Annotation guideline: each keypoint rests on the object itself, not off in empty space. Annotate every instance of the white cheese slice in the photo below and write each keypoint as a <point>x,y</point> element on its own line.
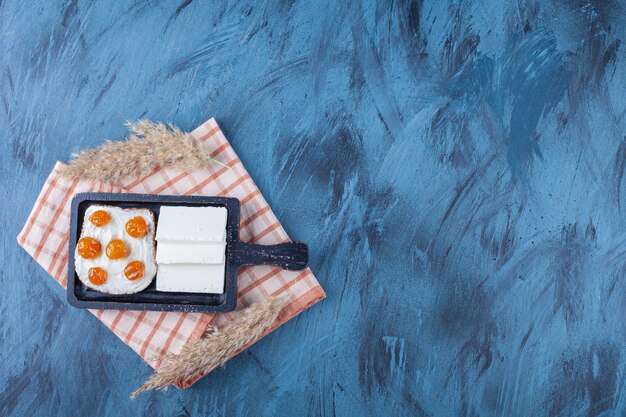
<point>177,252</point>
<point>192,224</point>
<point>191,278</point>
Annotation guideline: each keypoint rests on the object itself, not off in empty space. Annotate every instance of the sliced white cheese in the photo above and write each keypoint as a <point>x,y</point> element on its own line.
<point>192,224</point>
<point>177,252</point>
<point>191,278</point>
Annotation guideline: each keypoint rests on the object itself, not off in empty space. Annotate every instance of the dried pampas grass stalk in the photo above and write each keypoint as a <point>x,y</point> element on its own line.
<point>216,347</point>
<point>150,146</point>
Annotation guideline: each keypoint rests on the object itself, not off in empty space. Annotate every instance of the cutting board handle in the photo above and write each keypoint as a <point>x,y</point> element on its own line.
<point>292,256</point>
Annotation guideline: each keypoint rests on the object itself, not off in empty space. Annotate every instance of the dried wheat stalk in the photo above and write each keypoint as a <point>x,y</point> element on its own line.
<point>150,146</point>
<point>216,347</point>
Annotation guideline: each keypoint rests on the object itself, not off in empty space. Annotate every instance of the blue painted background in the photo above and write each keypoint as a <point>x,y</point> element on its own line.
<point>457,169</point>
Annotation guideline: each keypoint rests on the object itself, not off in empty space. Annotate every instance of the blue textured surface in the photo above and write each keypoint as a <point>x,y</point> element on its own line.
<point>457,169</point>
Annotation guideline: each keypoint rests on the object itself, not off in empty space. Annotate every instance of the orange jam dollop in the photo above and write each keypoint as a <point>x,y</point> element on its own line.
<point>89,248</point>
<point>116,249</point>
<point>97,275</point>
<point>134,270</point>
<point>137,227</point>
<point>99,218</point>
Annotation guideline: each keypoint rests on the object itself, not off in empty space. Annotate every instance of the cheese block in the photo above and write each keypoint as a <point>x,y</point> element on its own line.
<point>178,252</point>
<point>191,246</point>
<point>191,278</point>
<point>192,224</point>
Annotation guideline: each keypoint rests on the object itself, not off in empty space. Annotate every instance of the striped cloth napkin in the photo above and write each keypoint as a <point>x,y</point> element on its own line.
<point>153,334</point>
